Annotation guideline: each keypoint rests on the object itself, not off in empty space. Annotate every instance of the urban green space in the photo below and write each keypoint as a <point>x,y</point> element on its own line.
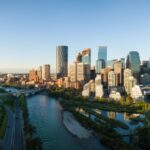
<point>85,110</point>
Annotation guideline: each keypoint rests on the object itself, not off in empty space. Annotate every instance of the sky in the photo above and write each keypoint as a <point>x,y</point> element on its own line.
<point>30,30</point>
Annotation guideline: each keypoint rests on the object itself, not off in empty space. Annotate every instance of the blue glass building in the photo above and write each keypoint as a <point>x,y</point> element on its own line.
<point>133,62</point>
<point>86,56</point>
<point>100,64</point>
<point>102,53</point>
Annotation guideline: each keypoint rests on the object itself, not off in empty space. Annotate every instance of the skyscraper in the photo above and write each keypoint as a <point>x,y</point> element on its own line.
<point>61,61</point>
<point>86,56</point>
<point>39,72</point>
<point>46,72</point>
<point>100,64</point>
<point>102,53</point>
<point>79,57</point>
<point>79,73</point>
<point>133,63</point>
<point>118,69</point>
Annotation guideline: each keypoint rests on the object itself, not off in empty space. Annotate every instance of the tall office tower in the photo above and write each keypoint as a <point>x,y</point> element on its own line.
<point>83,72</point>
<point>73,72</point>
<point>102,53</point>
<point>118,69</point>
<point>61,61</point>
<point>79,72</point>
<point>100,64</point>
<point>104,75</point>
<point>111,79</point>
<point>129,80</point>
<point>39,72</point>
<point>46,72</point>
<point>79,57</point>
<point>133,62</point>
<point>123,62</point>
<point>86,56</point>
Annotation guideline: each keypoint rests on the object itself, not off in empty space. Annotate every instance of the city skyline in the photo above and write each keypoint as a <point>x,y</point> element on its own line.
<point>29,37</point>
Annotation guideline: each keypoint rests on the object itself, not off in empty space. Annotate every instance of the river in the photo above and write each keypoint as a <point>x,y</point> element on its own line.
<point>45,114</point>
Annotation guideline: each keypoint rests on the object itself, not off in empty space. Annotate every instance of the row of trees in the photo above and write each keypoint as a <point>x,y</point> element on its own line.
<point>3,122</point>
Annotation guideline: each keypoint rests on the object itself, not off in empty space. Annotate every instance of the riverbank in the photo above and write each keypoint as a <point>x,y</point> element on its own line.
<point>88,138</point>
<point>74,126</point>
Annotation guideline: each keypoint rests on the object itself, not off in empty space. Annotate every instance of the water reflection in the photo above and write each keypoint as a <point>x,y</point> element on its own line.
<point>45,114</point>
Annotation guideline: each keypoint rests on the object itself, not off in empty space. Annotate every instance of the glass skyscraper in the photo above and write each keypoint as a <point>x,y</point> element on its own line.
<point>61,61</point>
<point>86,56</point>
<point>102,53</point>
<point>100,64</point>
<point>133,63</point>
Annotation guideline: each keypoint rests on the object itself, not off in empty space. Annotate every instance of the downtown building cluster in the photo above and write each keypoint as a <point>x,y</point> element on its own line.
<point>108,78</point>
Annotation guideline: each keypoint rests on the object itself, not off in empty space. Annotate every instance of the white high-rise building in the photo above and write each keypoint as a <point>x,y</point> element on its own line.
<point>86,90</point>
<point>136,93</point>
<point>129,80</point>
<point>98,87</point>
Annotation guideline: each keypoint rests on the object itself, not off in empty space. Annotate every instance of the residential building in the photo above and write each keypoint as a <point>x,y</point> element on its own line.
<point>129,80</point>
<point>33,75</point>
<point>98,87</point>
<point>136,93</point>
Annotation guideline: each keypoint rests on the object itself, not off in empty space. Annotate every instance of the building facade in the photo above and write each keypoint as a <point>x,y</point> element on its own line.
<point>61,61</point>
<point>118,70</point>
<point>46,72</point>
<point>86,56</point>
<point>102,53</point>
<point>100,64</point>
<point>133,63</point>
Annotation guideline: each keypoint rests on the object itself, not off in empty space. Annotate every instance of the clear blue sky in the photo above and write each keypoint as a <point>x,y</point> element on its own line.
<point>30,30</point>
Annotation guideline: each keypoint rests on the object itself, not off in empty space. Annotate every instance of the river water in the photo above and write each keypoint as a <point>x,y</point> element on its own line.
<point>45,114</point>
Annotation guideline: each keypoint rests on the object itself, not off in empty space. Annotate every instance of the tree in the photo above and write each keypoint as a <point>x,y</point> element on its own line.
<point>144,138</point>
<point>129,100</point>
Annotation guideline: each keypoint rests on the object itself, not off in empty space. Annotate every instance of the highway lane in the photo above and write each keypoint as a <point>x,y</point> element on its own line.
<point>7,141</point>
<point>18,131</point>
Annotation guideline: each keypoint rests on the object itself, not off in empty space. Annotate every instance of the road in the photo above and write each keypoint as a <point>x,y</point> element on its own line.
<point>13,139</point>
<point>7,141</point>
<point>18,130</point>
